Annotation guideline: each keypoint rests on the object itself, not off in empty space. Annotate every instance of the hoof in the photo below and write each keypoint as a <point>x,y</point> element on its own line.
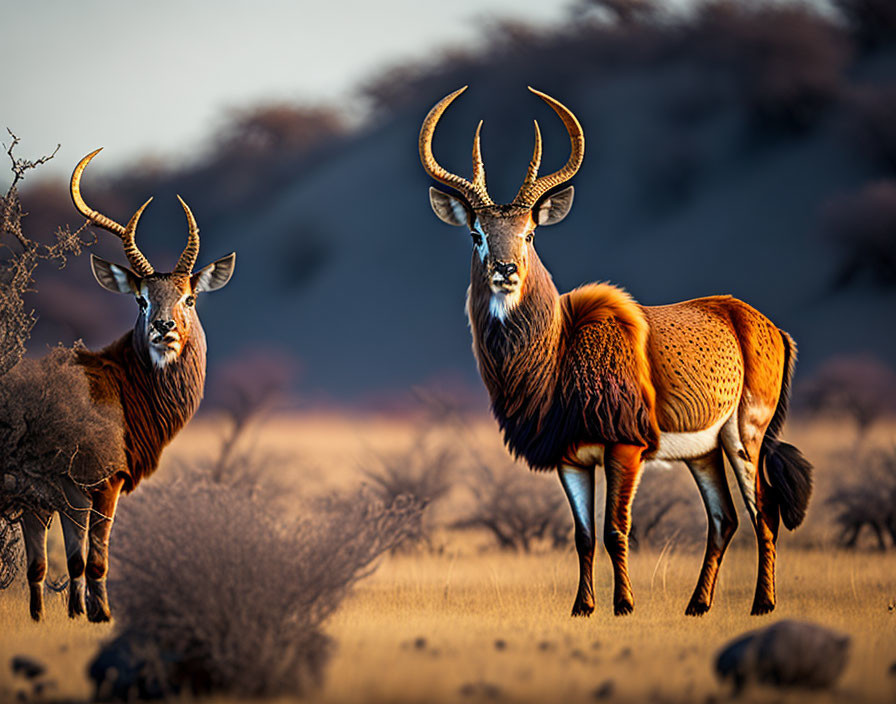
<point>696,608</point>
<point>98,612</point>
<point>623,608</point>
<point>99,615</point>
<point>582,608</point>
<point>75,607</point>
<point>36,602</point>
<point>761,607</point>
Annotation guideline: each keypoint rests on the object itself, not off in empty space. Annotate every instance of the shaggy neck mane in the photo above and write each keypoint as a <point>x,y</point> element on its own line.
<point>156,402</point>
<point>518,357</point>
<point>563,371</point>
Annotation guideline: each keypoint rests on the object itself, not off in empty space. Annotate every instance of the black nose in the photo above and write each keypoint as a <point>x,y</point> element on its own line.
<point>163,326</point>
<point>505,268</point>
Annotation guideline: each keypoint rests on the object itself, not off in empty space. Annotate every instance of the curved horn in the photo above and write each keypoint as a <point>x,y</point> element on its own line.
<point>535,162</point>
<point>533,188</point>
<point>478,164</point>
<point>474,192</point>
<point>191,252</point>
<point>140,263</point>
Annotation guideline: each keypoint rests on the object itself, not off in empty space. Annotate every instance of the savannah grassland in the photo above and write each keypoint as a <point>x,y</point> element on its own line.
<point>466,622</point>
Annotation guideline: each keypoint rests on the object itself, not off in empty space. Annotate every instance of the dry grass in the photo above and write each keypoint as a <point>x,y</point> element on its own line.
<point>474,624</point>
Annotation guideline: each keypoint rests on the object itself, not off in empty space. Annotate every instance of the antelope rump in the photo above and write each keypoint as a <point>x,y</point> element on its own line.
<point>154,374</point>
<point>591,378</point>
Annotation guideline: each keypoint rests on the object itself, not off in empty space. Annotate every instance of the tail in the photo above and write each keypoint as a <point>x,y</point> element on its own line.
<point>787,475</point>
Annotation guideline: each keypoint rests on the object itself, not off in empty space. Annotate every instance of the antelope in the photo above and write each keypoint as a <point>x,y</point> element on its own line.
<point>590,378</point>
<point>154,374</point>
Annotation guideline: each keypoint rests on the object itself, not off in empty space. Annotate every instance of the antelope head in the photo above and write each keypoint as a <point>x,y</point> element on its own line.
<point>503,235</point>
<point>166,301</point>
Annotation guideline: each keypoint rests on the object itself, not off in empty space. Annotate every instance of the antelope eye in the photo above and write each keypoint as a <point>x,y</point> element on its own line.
<point>530,236</point>
<point>190,301</point>
<point>477,238</point>
<point>141,301</point>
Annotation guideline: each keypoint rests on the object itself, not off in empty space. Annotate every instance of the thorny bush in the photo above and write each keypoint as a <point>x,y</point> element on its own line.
<point>223,595</point>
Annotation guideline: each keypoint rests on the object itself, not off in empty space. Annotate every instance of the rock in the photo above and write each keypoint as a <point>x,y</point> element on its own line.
<point>787,654</point>
<point>605,691</point>
<point>480,690</point>
<point>27,667</point>
<point>131,667</point>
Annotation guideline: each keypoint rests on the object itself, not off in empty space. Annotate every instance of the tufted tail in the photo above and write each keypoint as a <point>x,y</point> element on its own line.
<point>787,475</point>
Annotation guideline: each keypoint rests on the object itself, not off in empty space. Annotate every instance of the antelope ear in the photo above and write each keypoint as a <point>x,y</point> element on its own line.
<point>449,208</point>
<point>114,278</point>
<point>554,208</point>
<point>215,275</point>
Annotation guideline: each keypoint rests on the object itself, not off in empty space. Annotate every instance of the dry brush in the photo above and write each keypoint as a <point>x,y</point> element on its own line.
<point>215,593</point>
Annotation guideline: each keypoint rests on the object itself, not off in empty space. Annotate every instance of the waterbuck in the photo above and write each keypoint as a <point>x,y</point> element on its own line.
<point>154,374</point>
<point>591,378</point>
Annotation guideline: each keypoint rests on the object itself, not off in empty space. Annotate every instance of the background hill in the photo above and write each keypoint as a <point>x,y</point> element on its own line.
<point>738,150</point>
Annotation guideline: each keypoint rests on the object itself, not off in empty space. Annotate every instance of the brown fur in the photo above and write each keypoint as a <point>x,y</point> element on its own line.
<point>156,403</point>
<point>695,362</point>
<point>153,378</point>
<point>564,371</point>
<point>592,367</point>
<point>591,372</point>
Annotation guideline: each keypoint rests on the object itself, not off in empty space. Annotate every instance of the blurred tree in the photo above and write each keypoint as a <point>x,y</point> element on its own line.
<point>861,388</point>
<point>244,390</point>
<point>873,22</point>
<point>623,12</point>
<point>871,109</point>
<point>863,226</point>
<point>280,127</point>
<point>868,501</point>
<point>786,60</point>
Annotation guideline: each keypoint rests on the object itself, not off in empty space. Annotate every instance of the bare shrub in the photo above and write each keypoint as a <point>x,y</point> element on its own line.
<point>49,428</point>
<point>868,501</point>
<point>863,226</point>
<point>226,597</point>
<point>19,256</point>
<point>422,471</point>
<point>244,391</point>
<point>517,507</point>
<point>49,425</point>
<point>11,553</point>
<point>860,388</point>
<point>665,509</point>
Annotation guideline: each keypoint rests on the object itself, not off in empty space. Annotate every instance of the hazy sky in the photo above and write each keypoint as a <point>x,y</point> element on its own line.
<point>155,78</point>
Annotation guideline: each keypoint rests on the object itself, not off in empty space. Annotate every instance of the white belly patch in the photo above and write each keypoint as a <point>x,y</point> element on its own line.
<point>683,446</point>
<point>592,455</point>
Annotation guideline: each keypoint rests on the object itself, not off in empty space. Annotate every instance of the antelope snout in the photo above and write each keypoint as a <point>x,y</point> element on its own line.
<point>163,326</point>
<point>506,269</point>
<point>505,277</point>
